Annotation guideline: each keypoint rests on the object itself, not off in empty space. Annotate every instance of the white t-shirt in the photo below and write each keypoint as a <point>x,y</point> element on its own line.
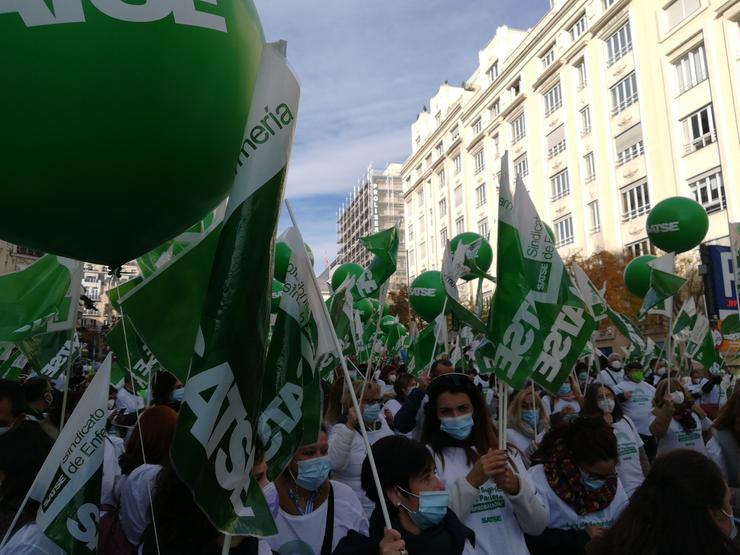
<point>639,407</point>
<point>628,446</point>
<point>562,516</point>
<point>304,534</point>
<point>133,500</point>
<point>519,440</point>
<point>561,404</point>
<point>129,402</point>
<point>114,447</point>
<point>31,540</point>
<point>491,518</point>
<point>609,377</point>
<point>677,438</point>
<point>392,405</point>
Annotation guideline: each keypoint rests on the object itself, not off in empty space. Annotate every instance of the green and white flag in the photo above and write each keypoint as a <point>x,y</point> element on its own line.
<point>663,285</point>
<point>700,345</point>
<point>68,485</point>
<point>291,398</point>
<point>49,353</point>
<point>454,267</point>
<point>538,324</point>
<point>131,352</point>
<point>344,320</point>
<point>40,299</point>
<point>593,298</point>
<point>627,328</point>
<point>13,365</point>
<point>214,445</point>
<point>384,245</point>
<point>427,345</point>
<point>686,317</point>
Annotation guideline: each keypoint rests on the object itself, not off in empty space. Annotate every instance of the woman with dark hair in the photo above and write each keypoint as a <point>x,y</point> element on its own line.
<point>682,508</point>
<point>422,523</point>
<point>677,421</point>
<point>600,401</point>
<point>490,490</point>
<point>727,436</point>
<point>576,473</point>
<point>387,379</point>
<point>167,390</point>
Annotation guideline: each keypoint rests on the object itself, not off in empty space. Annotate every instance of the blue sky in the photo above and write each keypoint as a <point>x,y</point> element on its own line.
<point>366,68</point>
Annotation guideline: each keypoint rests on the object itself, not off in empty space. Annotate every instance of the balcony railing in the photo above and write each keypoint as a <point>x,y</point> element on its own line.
<point>700,142</point>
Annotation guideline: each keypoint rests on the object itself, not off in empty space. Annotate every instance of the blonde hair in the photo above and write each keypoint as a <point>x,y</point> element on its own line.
<point>357,386</point>
<point>515,408</point>
<point>662,389</point>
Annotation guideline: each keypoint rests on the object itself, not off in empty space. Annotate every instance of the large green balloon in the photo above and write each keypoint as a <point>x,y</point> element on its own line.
<point>637,275</point>
<point>387,323</point>
<point>277,292</point>
<point>342,271</point>
<point>282,259</point>
<point>368,308</point>
<point>128,113</point>
<point>677,224</point>
<point>485,253</point>
<point>427,295</point>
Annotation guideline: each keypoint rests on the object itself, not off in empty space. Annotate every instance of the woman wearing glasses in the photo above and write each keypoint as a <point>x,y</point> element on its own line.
<point>346,446</point>
<point>490,490</point>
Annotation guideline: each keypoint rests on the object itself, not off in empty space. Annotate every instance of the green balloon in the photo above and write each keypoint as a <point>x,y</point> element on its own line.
<point>365,307</point>
<point>387,323</point>
<point>637,275</point>
<point>282,259</point>
<point>133,112</point>
<point>427,295</point>
<point>342,271</point>
<point>677,224</point>
<point>277,292</point>
<point>485,253</point>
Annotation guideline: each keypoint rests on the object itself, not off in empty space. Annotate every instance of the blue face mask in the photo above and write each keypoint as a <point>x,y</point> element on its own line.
<point>733,525</point>
<point>564,389</point>
<point>590,482</point>
<point>178,394</point>
<point>458,427</point>
<point>371,412</point>
<point>313,472</point>
<point>531,417</point>
<point>432,507</point>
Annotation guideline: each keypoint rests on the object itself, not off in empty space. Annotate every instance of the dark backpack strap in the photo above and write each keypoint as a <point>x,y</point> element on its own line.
<point>329,529</point>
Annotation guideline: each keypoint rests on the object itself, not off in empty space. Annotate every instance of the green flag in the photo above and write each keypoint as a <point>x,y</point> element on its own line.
<point>593,298</point>
<point>13,365</point>
<point>68,485</point>
<point>686,317</point>
<point>49,353</point>
<point>214,445</point>
<point>627,328</point>
<point>454,267</point>
<point>39,299</point>
<point>538,324</point>
<point>423,350</point>
<point>663,285</point>
<point>291,398</point>
<point>700,345</point>
<point>384,245</point>
<point>132,353</point>
<point>344,319</point>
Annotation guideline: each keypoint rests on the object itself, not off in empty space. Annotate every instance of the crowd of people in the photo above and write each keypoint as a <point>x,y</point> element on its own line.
<point>624,460</point>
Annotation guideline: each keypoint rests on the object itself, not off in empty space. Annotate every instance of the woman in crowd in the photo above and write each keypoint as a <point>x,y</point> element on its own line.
<point>346,445</point>
<point>527,422</point>
<point>633,464</point>
<point>491,492</point>
<point>387,379</point>
<point>422,523</point>
<point>404,384</point>
<point>677,421</point>
<point>636,398</point>
<point>315,512</point>
<point>682,508</point>
<point>576,473</point>
<point>147,450</point>
<point>567,401</point>
<point>167,390</point>
<point>727,435</point>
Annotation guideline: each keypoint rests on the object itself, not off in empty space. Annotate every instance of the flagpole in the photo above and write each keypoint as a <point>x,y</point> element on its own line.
<point>227,545</point>
<point>350,390</point>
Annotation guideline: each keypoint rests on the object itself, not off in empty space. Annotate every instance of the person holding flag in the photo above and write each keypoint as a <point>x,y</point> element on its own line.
<point>613,374</point>
<point>636,398</point>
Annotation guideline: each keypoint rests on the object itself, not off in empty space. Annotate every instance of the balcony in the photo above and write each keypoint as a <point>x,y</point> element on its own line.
<point>700,142</point>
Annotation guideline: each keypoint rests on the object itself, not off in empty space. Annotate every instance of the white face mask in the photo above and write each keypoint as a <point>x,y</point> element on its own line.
<point>616,364</point>
<point>392,378</point>
<point>677,397</point>
<point>661,371</point>
<point>605,405</point>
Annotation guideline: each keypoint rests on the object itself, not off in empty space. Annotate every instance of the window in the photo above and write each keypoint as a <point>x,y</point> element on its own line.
<point>477,126</point>
<point>564,231</point>
<point>628,145</point>
<point>412,259</point>
<point>455,133</point>
<point>492,72</point>
<point>578,28</point>
<point>417,140</point>
<point>443,238</point>
<point>560,185</point>
<point>438,118</point>
<point>483,228</point>
<point>418,171</point>
<point>585,121</point>
<point>521,167</point>
<point>698,129</point>
<point>556,142</point>
<point>515,88</point>
<point>495,146</point>
<point>635,201</point>
<point>582,77</point>
<point>548,57</point>
<point>420,198</point>
<point>480,195</point>
<point>458,195</point>
<point>709,191</point>
<point>553,99</point>
<point>441,179</point>
<point>479,161</point>
<point>618,44</point>
<point>460,225</point>
<point>593,211</point>
<point>410,234</point>
<point>589,167</point>
<point>438,149</point>
<point>608,3</point>
<point>630,153</point>
<point>518,130</point>
<point>443,208</point>
<point>691,69</point>
<point>457,162</point>
<point>494,109</point>
<point>420,225</point>
<point>639,248</point>
<point>677,11</point>
<point>423,251</point>
<point>624,93</point>
<point>427,161</point>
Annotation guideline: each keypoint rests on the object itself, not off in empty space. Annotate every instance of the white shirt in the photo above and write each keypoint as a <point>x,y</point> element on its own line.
<point>393,406</point>
<point>304,534</point>
<point>128,401</point>
<point>562,516</point>
<point>133,500</point>
<point>677,438</point>
<point>609,377</point>
<point>492,518</point>
<point>628,446</point>
<point>520,441</point>
<point>560,404</point>
<point>113,449</point>
<point>31,540</point>
<point>639,407</point>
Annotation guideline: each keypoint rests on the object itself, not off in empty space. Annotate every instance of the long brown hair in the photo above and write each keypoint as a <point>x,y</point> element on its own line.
<point>155,430</point>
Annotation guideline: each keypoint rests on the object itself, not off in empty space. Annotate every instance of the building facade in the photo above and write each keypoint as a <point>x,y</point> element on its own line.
<point>374,205</point>
<point>606,107</point>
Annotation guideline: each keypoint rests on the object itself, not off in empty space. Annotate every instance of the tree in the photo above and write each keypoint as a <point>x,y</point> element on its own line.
<point>399,304</point>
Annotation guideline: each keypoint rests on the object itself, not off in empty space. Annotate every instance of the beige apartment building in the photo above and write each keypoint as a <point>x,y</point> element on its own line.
<point>606,107</point>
